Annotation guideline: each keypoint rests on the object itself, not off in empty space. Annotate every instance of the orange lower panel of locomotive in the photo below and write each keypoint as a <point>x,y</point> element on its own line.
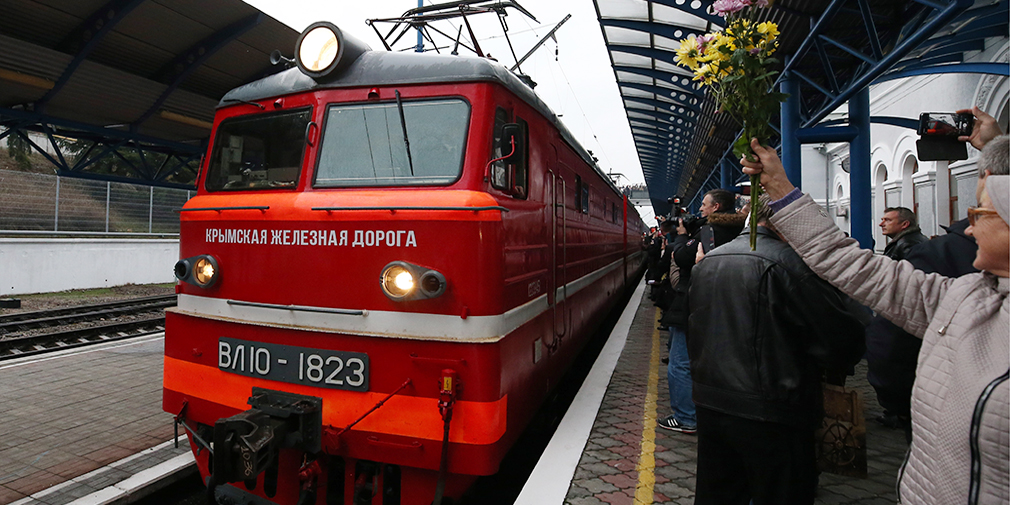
<point>282,451</point>
<point>293,447</point>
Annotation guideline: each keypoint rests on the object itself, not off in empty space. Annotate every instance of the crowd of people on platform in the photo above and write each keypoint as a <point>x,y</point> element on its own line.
<point>755,333</point>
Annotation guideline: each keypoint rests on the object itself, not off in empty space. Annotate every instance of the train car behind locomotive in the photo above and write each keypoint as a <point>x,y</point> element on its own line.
<point>390,262</point>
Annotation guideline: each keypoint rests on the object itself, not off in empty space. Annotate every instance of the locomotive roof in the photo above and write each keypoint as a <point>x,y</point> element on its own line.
<point>384,68</point>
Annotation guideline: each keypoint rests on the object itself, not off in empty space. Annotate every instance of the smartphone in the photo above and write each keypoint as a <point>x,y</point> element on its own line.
<point>945,124</point>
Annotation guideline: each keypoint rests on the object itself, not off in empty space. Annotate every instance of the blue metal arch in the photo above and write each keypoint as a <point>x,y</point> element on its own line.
<point>961,68</point>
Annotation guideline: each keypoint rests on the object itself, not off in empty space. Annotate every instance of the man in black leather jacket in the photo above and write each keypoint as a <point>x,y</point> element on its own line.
<point>900,225</point>
<point>763,329</point>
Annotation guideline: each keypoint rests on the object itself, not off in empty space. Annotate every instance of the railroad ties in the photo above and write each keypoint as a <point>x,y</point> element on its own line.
<point>19,335</point>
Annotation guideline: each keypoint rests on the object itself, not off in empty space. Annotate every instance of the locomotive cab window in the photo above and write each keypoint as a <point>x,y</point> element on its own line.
<point>364,144</point>
<point>261,151</point>
<point>510,175</point>
<point>499,175</point>
<point>520,169</point>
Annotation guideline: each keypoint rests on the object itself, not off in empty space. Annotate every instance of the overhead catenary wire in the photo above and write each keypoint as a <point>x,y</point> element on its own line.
<point>571,89</point>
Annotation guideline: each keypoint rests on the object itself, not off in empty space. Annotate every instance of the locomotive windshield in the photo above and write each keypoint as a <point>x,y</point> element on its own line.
<point>261,151</point>
<point>363,144</point>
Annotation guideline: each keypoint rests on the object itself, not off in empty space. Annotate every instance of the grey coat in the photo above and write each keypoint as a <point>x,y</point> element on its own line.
<point>961,396</point>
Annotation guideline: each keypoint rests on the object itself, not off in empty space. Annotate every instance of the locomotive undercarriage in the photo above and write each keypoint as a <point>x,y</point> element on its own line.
<point>254,454</point>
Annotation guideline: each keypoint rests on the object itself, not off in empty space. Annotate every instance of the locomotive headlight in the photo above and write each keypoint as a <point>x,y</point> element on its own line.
<point>323,51</point>
<point>397,280</point>
<point>404,281</point>
<point>201,271</point>
<point>205,271</point>
<point>318,49</point>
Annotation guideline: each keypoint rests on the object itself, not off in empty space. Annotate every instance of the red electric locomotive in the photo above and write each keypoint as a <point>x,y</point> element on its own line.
<point>390,262</point>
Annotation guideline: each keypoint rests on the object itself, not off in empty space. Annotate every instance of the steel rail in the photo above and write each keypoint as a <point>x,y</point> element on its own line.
<point>38,344</point>
<point>167,300</point>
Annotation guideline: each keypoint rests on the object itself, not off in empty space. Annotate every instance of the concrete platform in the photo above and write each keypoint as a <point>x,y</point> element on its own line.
<point>624,458</point>
<point>86,425</point>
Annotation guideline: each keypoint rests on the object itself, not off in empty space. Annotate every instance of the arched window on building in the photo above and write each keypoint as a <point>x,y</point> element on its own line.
<point>908,169</point>
<point>879,204</point>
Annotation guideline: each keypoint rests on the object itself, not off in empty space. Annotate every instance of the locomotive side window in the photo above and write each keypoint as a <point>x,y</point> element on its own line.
<point>581,195</point>
<point>363,144</point>
<point>262,151</point>
<point>520,170</point>
<point>499,176</point>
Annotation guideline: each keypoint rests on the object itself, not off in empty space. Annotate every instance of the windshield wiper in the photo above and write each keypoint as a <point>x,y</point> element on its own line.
<point>247,102</point>
<point>403,125</point>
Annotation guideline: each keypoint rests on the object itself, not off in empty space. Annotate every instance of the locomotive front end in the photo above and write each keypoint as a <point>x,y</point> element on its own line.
<point>333,295</point>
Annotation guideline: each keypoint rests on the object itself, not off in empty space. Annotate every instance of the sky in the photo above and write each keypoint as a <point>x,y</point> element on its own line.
<point>577,81</point>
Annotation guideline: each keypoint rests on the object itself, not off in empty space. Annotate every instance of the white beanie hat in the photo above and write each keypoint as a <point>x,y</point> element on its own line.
<point>998,189</point>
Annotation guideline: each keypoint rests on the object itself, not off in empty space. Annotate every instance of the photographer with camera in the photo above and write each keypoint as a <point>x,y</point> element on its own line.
<point>719,223</point>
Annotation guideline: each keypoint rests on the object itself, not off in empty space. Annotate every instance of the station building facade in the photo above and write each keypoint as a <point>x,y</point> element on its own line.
<point>939,192</point>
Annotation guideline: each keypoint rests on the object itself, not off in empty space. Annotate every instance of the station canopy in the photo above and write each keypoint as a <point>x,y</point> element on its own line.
<point>833,48</point>
<point>128,77</point>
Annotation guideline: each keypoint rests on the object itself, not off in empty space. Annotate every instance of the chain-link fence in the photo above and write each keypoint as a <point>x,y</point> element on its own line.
<point>40,203</point>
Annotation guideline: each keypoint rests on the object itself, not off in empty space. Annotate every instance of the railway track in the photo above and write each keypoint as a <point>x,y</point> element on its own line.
<point>79,326</point>
<point>24,321</point>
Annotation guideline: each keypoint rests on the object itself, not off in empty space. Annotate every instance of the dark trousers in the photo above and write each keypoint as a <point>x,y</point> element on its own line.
<point>740,460</point>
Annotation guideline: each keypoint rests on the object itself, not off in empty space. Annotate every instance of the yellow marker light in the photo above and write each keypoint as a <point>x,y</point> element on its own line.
<point>318,49</point>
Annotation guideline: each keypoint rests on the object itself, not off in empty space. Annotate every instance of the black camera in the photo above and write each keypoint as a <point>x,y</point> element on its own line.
<point>938,133</point>
<point>676,202</point>
<point>691,222</point>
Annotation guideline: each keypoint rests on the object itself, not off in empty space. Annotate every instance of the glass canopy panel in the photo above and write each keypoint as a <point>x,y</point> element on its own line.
<point>673,68</point>
<point>675,16</point>
<point>626,91</point>
<point>627,9</point>
<point>639,115</point>
<point>665,43</point>
<point>630,77</point>
<point>630,59</point>
<point>616,35</point>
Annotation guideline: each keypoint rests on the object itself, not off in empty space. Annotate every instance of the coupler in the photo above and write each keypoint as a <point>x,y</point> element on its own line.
<point>248,443</point>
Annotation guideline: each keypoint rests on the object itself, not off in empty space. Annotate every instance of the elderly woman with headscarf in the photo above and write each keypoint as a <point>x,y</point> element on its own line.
<point>960,450</point>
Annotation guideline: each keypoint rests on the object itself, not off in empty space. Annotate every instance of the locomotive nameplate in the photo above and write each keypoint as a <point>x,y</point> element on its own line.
<point>297,365</point>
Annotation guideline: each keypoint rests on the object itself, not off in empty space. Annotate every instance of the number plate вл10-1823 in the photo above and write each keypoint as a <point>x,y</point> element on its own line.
<point>297,365</point>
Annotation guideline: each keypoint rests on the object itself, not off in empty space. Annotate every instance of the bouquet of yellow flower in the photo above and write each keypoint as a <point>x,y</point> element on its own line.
<point>736,65</point>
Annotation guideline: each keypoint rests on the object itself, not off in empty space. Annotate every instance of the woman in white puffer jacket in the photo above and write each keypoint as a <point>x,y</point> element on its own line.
<point>960,450</point>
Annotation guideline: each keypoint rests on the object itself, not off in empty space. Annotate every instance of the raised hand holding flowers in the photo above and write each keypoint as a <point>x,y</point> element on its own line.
<point>736,66</point>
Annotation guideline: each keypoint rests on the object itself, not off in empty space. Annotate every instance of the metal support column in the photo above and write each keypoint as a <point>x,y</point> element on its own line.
<point>419,48</point>
<point>726,174</point>
<point>790,110</point>
<point>108,194</point>
<point>859,170</point>
<point>56,216</point>
<point>150,211</point>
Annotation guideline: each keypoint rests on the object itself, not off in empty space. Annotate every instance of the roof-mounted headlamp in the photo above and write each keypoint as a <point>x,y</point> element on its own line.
<point>324,51</point>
